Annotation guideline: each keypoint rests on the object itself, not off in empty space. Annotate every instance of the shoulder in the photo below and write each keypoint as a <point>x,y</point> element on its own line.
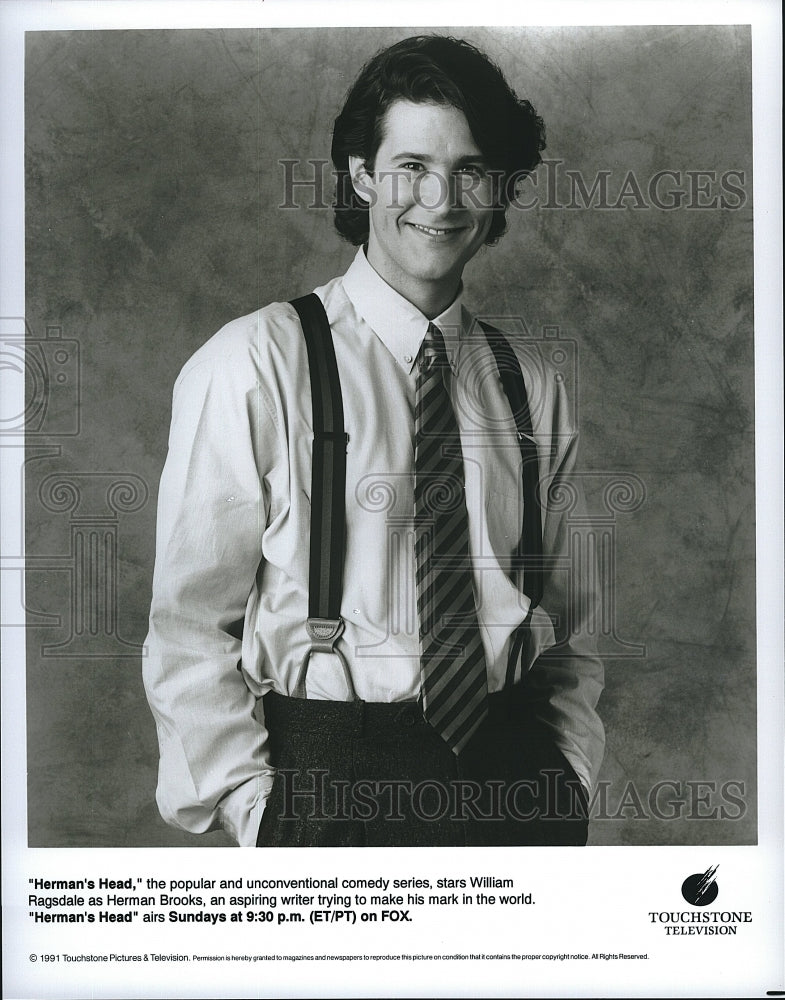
<point>262,347</point>
<point>242,345</point>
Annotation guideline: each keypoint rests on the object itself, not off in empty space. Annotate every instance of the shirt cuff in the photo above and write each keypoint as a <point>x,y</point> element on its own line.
<point>242,809</point>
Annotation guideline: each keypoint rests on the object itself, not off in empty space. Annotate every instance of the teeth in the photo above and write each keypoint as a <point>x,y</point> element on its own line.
<point>430,231</point>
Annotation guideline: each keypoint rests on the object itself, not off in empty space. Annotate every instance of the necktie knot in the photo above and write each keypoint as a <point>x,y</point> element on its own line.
<point>433,352</point>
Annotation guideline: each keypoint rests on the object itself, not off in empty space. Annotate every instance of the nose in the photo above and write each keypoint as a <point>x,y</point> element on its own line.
<point>435,193</point>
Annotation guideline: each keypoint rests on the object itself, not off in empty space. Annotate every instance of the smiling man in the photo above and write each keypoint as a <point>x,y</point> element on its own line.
<point>366,627</point>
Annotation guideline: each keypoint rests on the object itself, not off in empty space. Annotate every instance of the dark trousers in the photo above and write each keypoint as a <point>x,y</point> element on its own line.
<point>361,774</point>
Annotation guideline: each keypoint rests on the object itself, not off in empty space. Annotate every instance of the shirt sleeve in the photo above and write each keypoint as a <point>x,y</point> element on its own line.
<point>566,677</point>
<point>214,769</point>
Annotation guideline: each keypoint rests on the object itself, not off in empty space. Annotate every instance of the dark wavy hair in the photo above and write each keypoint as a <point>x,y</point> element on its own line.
<point>442,70</point>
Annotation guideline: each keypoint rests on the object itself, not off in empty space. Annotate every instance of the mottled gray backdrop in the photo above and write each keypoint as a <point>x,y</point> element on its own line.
<point>153,194</point>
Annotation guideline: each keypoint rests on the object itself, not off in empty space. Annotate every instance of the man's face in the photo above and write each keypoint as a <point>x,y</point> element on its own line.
<point>430,201</point>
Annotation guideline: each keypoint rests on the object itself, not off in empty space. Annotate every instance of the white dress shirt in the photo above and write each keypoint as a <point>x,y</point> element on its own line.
<point>230,589</point>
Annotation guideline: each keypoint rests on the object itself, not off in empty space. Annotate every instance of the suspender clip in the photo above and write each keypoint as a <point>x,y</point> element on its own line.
<point>324,633</point>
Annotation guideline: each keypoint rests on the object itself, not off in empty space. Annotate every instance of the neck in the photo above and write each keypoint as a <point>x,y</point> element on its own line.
<point>430,297</point>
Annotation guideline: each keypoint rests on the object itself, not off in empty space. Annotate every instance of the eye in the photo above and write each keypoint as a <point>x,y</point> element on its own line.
<point>412,166</point>
<point>473,170</point>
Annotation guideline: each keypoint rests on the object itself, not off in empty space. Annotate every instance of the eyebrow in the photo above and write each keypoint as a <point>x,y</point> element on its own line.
<point>425,158</point>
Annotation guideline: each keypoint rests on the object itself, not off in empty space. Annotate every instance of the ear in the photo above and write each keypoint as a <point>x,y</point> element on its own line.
<point>362,181</point>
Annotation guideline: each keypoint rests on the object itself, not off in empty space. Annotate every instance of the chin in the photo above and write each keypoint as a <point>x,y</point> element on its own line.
<point>435,272</point>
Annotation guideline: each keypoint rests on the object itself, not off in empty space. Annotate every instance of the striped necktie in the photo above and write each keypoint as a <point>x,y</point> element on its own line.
<point>454,678</point>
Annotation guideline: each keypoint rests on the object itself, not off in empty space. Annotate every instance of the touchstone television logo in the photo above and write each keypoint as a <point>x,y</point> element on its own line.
<point>701,889</point>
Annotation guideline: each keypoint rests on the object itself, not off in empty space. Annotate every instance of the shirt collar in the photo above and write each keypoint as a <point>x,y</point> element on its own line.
<point>398,323</point>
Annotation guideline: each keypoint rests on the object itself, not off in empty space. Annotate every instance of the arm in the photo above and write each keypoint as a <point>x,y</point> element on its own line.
<point>213,769</point>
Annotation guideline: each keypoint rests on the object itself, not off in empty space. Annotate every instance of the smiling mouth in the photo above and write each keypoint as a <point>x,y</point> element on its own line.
<point>432,231</point>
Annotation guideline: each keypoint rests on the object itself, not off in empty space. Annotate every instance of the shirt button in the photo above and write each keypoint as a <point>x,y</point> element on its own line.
<point>407,358</point>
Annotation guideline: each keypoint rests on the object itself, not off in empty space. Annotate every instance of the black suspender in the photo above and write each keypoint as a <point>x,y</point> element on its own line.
<point>328,486</point>
<point>528,553</point>
<point>328,482</point>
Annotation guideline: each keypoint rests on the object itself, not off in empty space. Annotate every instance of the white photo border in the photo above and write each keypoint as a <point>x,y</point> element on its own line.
<point>753,874</point>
